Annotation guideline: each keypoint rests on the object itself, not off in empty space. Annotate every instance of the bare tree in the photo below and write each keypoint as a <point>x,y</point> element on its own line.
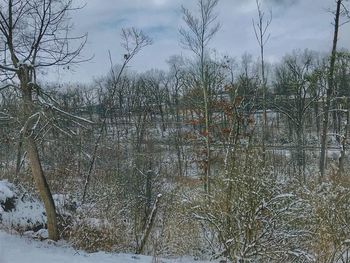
<point>200,30</point>
<point>295,78</point>
<point>35,35</point>
<point>176,76</point>
<point>133,40</point>
<point>260,30</point>
<point>339,11</point>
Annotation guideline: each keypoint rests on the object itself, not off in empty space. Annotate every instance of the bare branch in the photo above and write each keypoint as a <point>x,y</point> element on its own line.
<point>200,30</point>
<point>8,86</point>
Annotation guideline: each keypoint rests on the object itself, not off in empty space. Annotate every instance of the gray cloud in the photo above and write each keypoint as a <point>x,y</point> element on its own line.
<point>283,2</point>
<point>296,24</point>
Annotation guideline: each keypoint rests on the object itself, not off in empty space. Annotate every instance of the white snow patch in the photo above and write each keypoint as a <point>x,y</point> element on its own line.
<point>28,212</point>
<point>6,190</point>
<point>15,249</point>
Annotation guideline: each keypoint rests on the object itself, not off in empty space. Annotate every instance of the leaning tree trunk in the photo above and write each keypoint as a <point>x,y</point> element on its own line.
<point>43,188</point>
<point>33,153</point>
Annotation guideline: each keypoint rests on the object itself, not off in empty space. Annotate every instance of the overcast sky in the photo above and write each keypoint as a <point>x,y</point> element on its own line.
<point>296,24</point>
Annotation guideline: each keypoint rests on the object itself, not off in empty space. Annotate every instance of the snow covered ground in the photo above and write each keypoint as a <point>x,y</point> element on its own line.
<point>16,249</point>
<point>22,212</point>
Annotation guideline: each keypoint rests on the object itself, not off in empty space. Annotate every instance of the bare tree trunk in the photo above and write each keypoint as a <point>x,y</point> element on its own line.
<point>148,226</point>
<point>343,141</point>
<point>207,143</point>
<point>336,122</point>
<point>25,76</point>
<point>300,153</point>
<point>317,118</point>
<point>19,154</point>
<point>148,186</point>
<point>161,111</point>
<point>179,152</point>
<point>330,90</point>
<point>260,31</point>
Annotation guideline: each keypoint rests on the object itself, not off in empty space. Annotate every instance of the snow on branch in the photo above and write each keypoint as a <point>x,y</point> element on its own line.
<point>67,114</point>
<point>36,117</point>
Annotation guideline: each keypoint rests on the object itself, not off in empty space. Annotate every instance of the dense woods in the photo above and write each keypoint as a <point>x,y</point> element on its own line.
<point>217,157</point>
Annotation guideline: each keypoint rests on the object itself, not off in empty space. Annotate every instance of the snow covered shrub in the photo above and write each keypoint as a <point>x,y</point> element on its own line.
<point>331,206</point>
<point>90,229</point>
<point>249,217</point>
<point>175,232</point>
<point>94,235</point>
